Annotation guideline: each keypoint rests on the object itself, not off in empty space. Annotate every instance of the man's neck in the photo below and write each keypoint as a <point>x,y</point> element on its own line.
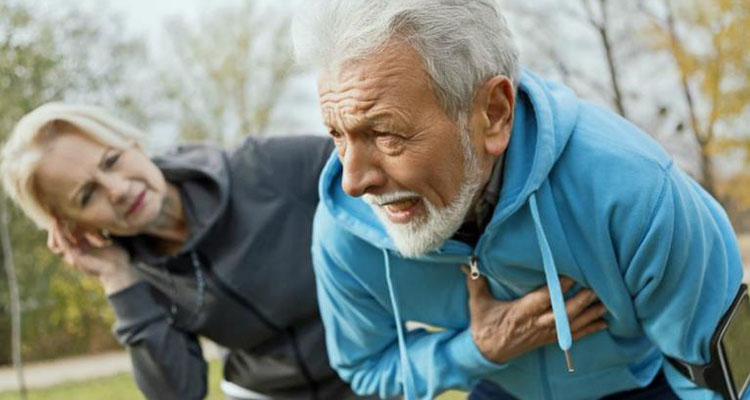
<point>480,213</point>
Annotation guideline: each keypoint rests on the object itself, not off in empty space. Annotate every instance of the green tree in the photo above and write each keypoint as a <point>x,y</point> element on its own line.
<point>71,56</point>
<point>229,71</point>
<point>708,41</point>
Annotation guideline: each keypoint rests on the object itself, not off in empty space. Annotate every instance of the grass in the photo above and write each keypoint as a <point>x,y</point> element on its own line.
<point>122,387</point>
<point>118,387</point>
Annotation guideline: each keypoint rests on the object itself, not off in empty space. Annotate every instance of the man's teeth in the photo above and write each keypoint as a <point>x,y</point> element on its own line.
<point>401,205</point>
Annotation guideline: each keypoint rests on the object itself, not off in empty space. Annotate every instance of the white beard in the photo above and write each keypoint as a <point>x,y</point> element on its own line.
<point>420,235</point>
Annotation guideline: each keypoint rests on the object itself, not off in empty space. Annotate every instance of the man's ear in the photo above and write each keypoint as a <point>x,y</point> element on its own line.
<point>497,104</point>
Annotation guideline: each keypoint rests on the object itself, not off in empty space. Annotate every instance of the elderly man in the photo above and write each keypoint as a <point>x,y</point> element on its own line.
<point>448,155</point>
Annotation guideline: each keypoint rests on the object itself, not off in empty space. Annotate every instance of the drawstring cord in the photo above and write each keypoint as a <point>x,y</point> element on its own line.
<point>406,372</point>
<point>564,338</point>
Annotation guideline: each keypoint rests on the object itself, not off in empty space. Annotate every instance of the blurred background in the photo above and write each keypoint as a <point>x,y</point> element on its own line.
<point>189,70</point>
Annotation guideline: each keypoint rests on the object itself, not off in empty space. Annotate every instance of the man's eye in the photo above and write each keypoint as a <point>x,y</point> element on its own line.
<point>388,139</point>
<point>111,160</point>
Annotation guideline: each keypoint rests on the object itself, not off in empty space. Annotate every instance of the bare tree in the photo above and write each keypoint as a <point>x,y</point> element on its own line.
<point>229,72</point>
<point>15,298</point>
<point>601,24</point>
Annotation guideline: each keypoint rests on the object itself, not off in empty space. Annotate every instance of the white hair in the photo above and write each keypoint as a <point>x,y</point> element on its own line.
<point>461,42</point>
<point>26,145</point>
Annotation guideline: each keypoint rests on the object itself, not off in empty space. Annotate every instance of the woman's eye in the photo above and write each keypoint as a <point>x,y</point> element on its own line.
<point>88,192</point>
<point>111,160</point>
<point>334,134</point>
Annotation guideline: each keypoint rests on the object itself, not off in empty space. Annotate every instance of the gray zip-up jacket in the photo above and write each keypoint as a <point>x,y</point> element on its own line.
<point>243,279</point>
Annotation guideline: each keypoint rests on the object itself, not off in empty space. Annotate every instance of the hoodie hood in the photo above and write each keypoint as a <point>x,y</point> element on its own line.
<point>201,173</point>
<point>544,118</point>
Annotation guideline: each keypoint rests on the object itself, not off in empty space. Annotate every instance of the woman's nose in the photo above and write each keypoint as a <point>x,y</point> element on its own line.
<point>117,187</point>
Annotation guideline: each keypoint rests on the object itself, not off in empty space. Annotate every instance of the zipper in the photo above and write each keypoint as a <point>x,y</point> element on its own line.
<point>474,267</point>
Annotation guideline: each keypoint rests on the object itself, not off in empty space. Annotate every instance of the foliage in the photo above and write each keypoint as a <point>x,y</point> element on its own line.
<point>735,195</point>
<point>73,56</point>
<point>119,387</point>
<point>122,387</point>
<point>708,42</point>
<point>677,69</point>
<point>229,71</point>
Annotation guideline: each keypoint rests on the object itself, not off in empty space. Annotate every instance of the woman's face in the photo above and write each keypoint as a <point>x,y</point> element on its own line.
<point>99,187</point>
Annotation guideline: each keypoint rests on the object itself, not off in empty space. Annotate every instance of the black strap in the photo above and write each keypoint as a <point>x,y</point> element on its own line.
<point>695,372</point>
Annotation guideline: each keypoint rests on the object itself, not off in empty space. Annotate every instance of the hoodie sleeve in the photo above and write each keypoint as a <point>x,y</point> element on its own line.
<point>683,270</point>
<point>362,343</point>
<point>167,363</point>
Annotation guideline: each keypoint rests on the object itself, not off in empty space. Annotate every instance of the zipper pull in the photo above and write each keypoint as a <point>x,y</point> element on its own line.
<point>474,267</point>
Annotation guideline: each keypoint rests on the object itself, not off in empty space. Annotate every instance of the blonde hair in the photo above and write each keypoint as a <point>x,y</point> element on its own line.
<point>25,148</point>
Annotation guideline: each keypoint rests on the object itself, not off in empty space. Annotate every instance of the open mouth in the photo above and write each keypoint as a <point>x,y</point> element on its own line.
<point>137,203</point>
<point>403,210</point>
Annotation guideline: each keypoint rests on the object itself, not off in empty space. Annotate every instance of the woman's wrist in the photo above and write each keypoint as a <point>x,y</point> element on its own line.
<point>118,279</point>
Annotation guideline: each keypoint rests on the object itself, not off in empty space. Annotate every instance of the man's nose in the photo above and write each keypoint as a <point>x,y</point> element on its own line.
<point>362,173</point>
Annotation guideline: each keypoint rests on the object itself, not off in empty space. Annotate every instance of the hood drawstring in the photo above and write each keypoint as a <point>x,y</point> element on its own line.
<point>562,325</point>
<point>406,372</point>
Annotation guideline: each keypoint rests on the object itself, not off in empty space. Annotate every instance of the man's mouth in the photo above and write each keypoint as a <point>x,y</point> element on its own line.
<point>401,211</point>
<point>137,203</point>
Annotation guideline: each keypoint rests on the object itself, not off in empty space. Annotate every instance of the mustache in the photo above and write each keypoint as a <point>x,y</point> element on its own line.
<point>385,198</point>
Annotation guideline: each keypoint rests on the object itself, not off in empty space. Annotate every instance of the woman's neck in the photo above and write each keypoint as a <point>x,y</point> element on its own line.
<point>170,228</point>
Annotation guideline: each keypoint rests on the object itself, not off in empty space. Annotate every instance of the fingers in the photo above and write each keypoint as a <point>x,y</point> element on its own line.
<point>538,301</point>
<point>566,283</point>
<point>579,303</point>
<point>591,314</point>
<point>96,239</point>
<point>52,241</point>
<point>574,307</point>
<point>596,326</point>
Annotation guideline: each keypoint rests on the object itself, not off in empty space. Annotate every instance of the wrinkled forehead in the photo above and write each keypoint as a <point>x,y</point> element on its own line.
<point>392,80</point>
<point>68,160</point>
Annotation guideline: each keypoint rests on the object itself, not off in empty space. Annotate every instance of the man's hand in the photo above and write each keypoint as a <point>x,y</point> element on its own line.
<point>503,330</point>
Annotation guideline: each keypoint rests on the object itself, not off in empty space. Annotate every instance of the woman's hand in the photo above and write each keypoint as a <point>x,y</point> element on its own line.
<point>503,330</point>
<point>93,255</point>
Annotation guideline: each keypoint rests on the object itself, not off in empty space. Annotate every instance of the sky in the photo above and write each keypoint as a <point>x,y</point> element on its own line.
<point>148,17</point>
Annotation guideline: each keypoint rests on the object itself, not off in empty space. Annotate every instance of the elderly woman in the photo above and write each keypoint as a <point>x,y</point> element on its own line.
<point>197,242</point>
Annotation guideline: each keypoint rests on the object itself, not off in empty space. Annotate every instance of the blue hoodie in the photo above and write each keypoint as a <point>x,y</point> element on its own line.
<point>585,195</point>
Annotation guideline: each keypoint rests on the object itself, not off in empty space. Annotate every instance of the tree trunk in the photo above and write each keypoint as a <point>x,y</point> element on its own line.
<point>15,299</point>
<point>707,171</point>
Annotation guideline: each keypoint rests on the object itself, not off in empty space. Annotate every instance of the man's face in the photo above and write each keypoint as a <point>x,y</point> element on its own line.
<point>399,149</point>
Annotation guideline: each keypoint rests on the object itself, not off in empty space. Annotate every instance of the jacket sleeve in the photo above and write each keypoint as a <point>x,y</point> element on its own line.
<point>683,270</point>
<point>167,363</point>
<point>362,343</point>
